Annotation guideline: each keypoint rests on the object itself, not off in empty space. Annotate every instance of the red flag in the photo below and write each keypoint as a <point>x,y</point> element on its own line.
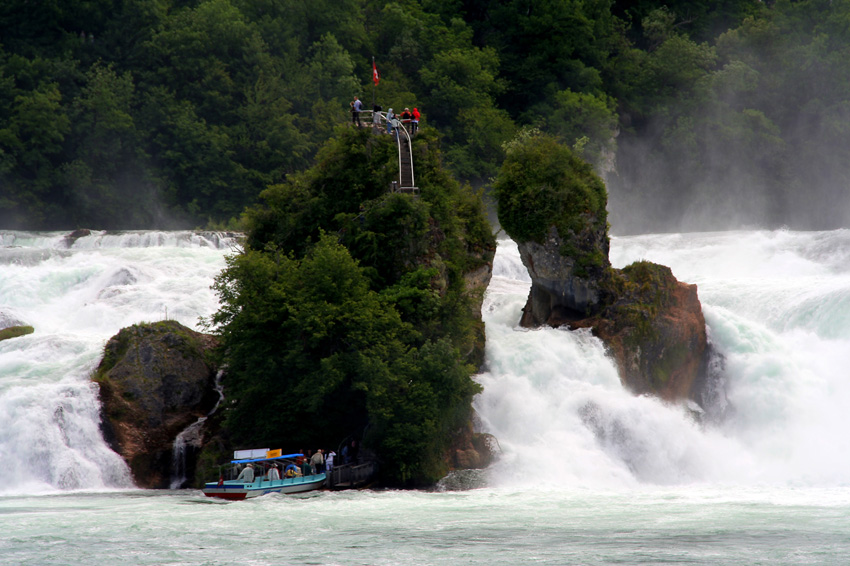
<point>376,78</point>
<point>220,480</point>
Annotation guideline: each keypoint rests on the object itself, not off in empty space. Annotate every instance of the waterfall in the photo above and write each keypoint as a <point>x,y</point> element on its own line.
<point>777,307</point>
<point>191,436</point>
<point>77,293</point>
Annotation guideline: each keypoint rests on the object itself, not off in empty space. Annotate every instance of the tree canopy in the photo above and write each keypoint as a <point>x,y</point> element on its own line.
<point>348,313</point>
<point>180,113</point>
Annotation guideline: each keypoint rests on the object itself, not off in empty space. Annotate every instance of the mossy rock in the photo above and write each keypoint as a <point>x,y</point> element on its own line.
<point>15,331</point>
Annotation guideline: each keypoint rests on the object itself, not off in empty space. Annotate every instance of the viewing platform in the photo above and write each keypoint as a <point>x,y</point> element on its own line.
<point>406,182</point>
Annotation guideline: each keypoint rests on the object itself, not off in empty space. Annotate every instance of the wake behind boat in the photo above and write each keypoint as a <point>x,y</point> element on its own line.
<point>255,475</point>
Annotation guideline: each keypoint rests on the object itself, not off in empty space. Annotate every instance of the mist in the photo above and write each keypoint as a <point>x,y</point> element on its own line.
<point>751,133</point>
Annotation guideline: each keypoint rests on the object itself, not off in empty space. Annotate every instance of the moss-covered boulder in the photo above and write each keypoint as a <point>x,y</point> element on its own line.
<point>654,327</point>
<point>553,206</point>
<point>155,380</point>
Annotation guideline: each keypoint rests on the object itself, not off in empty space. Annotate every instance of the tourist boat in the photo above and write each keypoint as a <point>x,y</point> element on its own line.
<point>262,461</point>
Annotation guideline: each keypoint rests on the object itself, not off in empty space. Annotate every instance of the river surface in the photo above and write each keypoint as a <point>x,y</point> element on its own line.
<point>589,474</point>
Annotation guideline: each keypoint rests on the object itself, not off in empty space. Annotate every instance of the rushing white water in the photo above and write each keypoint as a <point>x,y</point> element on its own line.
<point>590,474</point>
<point>77,294</point>
<point>777,307</point>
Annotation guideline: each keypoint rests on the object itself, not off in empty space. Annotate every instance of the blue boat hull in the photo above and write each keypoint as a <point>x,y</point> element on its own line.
<point>236,489</point>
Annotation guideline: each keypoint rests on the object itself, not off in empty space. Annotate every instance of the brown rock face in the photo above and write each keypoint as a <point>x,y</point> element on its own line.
<point>656,335</point>
<point>652,324</point>
<point>154,382</point>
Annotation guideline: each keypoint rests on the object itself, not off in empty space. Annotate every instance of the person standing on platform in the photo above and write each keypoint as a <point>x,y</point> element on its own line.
<point>356,107</point>
<point>376,116</point>
<point>390,121</point>
<point>415,121</point>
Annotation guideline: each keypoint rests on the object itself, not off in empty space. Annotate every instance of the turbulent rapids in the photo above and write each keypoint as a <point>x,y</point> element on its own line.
<point>77,294</point>
<point>777,306</point>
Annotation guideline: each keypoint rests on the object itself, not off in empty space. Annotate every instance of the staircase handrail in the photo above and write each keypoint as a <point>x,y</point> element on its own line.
<point>396,125</point>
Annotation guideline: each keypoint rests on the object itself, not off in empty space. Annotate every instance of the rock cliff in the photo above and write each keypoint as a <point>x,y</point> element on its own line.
<point>154,382</point>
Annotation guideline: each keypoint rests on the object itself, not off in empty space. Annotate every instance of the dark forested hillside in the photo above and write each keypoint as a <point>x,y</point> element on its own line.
<point>178,113</point>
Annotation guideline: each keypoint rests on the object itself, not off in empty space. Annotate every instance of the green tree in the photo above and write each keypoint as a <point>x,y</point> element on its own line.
<point>542,184</point>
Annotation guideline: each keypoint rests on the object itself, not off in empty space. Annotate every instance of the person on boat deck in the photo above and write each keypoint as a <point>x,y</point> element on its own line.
<point>274,474</point>
<point>290,471</point>
<point>306,468</point>
<point>318,461</point>
<point>247,474</point>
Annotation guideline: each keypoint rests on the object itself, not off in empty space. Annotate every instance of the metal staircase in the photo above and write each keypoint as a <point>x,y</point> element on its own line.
<point>406,180</point>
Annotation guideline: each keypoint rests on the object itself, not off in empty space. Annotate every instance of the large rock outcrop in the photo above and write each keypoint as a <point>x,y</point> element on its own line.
<point>652,324</point>
<point>155,380</point>
<point>553,205</point>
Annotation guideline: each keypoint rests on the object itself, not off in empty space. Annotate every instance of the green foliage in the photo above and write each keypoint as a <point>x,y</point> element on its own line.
<point>165,113</point>
<point>586,121</point>
<point>348,311</point>
<point>314,354</point>
<point>638,291</point>
<point>542,184</point>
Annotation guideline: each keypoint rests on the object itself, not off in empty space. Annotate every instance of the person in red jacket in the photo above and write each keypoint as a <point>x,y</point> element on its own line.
<point>415,122</point>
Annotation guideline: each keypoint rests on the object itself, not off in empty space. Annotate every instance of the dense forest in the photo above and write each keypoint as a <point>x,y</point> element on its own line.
<point>179,113</point>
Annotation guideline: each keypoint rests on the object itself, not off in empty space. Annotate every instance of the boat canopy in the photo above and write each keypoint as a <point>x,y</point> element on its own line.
<point>283,457</point>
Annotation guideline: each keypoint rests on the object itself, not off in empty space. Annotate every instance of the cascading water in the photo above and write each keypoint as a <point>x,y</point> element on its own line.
<point>777,305</point>
<point>190,439</point>
<point>77,294</point>
<point>590,474</point>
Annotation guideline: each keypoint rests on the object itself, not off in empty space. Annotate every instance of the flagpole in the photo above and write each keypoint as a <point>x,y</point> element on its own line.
<point>374,84</point>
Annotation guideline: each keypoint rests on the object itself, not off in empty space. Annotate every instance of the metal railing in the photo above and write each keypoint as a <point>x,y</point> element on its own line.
<point>352,475</point>
<point>397,125</point>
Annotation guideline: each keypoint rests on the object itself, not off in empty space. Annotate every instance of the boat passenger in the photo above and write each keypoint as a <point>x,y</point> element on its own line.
<point>247,474</point>
<point>306,468</point>
<point>274,474</point>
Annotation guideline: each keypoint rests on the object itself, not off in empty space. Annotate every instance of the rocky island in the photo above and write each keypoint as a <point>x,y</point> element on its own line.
<point>554,206</point>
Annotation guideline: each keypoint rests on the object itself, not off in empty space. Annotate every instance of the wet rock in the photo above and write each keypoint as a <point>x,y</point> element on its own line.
<point>155,380</point>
